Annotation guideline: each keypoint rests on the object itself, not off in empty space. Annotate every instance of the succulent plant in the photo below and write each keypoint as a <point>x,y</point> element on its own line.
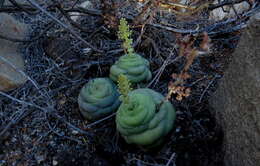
<point>146,118</point>
<point>134,67</point>
<point>98,98</point>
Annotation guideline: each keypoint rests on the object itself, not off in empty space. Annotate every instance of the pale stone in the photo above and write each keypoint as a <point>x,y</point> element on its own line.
<point>11,61</point>
<point>87,5</point>
<point>218,14</point>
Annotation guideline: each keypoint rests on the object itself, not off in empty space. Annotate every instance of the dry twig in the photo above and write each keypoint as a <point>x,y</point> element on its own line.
<point>64,26</point>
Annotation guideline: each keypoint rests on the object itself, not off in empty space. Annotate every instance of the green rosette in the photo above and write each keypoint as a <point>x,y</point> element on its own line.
<point>134,67</point>
<point>146,118</point>
<point>98,98</point>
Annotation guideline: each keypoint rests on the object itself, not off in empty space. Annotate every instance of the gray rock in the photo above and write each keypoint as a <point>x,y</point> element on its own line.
<point>11,61</point>
<point>237,101</point>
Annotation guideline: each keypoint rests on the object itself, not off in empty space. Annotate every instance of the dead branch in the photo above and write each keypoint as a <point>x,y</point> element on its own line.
<point>45,110</point>
<point>14,9</point>
<point>64,26</point>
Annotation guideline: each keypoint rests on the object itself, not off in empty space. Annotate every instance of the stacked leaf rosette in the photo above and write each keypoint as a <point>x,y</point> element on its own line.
<point>134,67</point>
<point>146,118</point>
<point>98,98</point>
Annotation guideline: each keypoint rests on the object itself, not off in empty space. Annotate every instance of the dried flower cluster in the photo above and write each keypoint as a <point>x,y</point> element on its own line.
<point>190,52</point>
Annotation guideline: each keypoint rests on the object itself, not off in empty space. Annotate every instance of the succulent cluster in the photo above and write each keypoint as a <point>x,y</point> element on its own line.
<point>143,116</point>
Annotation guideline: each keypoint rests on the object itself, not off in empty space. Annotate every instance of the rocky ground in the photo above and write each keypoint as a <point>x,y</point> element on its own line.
<point>40,123</point>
